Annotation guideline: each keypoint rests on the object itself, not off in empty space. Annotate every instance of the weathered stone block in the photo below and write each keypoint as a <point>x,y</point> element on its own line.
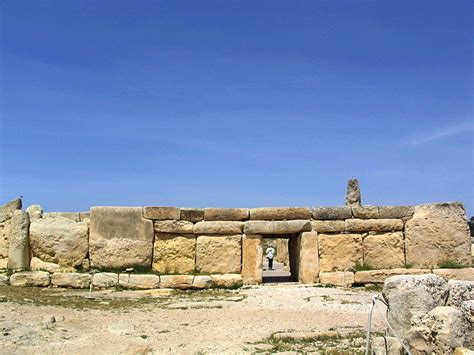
<point>338,278</point>
<point>3,264</point>
<point>173,226</point>
<point>466,274</point>
<point>438,233</point>
<point>4,234</point>
<point>105,279</point>
<point>328,226</point>
<point>71,280</point>
<point>277,227</point>
<point>218,227</point>
<point>353,193</point>
<point>139,282</point>
<point>280,213</point>
<point>396,212</point>
<point>6,211</point>
<point>161,213</point>
<point>227,280</point>
<point>192,214</point>
<point>174,253</point>
<point>309,258</point>
<point>373,225</point>
<point>252,265</point>
<point>59,240</point>
<point>226,214</point>
<point>35,212</point>
<point>459,292</point>
<point>38,264</point>
<point>332,213</point>
<point>202,282</point>
<point>30,278</point>
<point>379,276</point>
<point>4,279</point>
<point>19,251</point>
<point>218,254</point>
<point>340,251</point>
<point>120,237</point>
<point>365,212</point>
<point>73,216</point>
<point>176,281</point>
<point>385,250</point>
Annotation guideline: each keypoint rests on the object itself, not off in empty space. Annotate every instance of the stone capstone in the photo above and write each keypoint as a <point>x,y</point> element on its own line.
<point>19,251</point>
<point>277,227</point>
<point>59,240</point>
<point>71,280</point>
<point>383,251</point>
<point>365,212</point>
<point>161,213</point>
<point>139,282</point>
<point>227,280</point>
<point>192,214</point>
<point>218,227</point>
<point>338,278</point>
<point>174,253</point>
<point>438,233</point>
<point>226,214</point>
<point>411,297</point>
<point>332,213</point>
<point>396,212</point>
<point>35,212</point>
<point>353,193</point>
<point>280,213</point>
<point>172,226</point>
<point>218,254</point>
<point>120,238</point>
<point>338,252</point>
<point>7,210</point>
<point>30,278</point>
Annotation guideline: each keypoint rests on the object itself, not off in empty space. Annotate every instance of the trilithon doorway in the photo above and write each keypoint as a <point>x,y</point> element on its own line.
<point>285,262</point>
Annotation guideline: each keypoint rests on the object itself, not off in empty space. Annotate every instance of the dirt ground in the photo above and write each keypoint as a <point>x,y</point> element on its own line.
<point>254,319</point>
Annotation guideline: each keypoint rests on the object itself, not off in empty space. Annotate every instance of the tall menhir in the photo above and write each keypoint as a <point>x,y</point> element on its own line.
<point>353,193</point>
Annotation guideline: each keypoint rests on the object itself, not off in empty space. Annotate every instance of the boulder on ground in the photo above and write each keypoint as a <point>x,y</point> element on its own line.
<point>174,253</point>
<point>436,234</point>
<point>459,292</point>
<point>218,254</point>
<point>30,278</point>
<point>59,240</point>
<point>71,280</point>
<point>19,250</point>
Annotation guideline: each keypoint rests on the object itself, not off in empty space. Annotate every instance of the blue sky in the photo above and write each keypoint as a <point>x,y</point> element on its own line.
<point>235,103</point>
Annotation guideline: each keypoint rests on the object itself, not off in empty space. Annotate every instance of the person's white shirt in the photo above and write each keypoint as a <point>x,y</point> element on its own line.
<point>270,252</point>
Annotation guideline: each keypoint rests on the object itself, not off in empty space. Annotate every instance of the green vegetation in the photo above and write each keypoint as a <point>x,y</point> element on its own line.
<point>450,264</point>
<point>362,267</point>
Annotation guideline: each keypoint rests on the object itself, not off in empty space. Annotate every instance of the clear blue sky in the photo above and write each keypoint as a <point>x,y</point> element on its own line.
<point>236,103</point>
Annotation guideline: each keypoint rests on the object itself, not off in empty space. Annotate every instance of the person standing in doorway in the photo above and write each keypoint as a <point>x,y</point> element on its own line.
<point>270,254</point>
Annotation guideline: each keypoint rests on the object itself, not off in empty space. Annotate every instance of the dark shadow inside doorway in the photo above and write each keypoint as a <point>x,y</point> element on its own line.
<point>285,269</point>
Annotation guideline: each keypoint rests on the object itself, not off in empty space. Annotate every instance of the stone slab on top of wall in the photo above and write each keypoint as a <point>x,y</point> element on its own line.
<point>277,227</point>
<point>219,254</point>
<point>161,212</point>
<point>438,233</point>
<point>332,213</point>
<point>226,214</point>
<point>280,213</point>
<point>120,238</point>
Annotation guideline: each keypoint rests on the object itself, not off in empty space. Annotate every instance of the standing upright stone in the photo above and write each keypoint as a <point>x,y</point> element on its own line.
<point>353,193</point>
<point>18,252</point>
<point>7,210</point>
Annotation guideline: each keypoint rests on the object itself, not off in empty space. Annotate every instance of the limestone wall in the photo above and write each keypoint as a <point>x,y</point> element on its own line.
<point>329,244</point>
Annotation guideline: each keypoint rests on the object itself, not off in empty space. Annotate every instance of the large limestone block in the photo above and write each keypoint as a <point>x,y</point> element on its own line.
<point>277,227</point>
<point>227,280</point>
<point>252,262</point>
<point>18,250</point>
<point>71,280</point>
<point>338,278</point>
<point>328,226</point>
<point>202,282</point>
<point>59,240</point>
<point>280,213</point>
<point>396,212</point>
<point>373,225</point>
<point>4,234</point>
<point>120,238</point>
<point>218,227</point>
<point>35,212</point>
<point>466,274</point>
<point>438,233</point>
<point>332,213</point>
<point>192,214</point>
<point>105,279</point>
<point>365,212</point>
<point>161,213</point>
<point>30,278</point>
<point>459,292</point>
<point>226,214</point>
<point>176,281</point>
<point>384,250</point>
<point>38,264</point>
<point>340,251</point>
<point>174,253</point>
<point>219,254</point>
<point>139,282</point>
<point>7,210</point>
<point>379,276</point>
<point>172,226</point>
<point>73,216</point>
<point>410,297</point>
<point>309,258</point>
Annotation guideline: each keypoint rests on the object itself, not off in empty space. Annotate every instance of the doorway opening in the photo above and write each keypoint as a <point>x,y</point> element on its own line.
<point>286,258</point>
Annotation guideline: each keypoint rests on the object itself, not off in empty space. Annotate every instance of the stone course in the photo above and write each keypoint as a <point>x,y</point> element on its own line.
<point>226,214</point>
<point>218,227</point>
<point>280,213</point>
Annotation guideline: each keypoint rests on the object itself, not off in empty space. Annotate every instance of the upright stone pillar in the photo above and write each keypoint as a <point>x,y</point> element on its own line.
<point>353,193</point>
<point>19,251</point>
<point>308,272</point>
<point>252,256</point>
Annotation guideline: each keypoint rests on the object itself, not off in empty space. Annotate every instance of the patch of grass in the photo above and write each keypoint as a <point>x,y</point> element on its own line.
<point>362,267</point>
<point>450,264</point>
